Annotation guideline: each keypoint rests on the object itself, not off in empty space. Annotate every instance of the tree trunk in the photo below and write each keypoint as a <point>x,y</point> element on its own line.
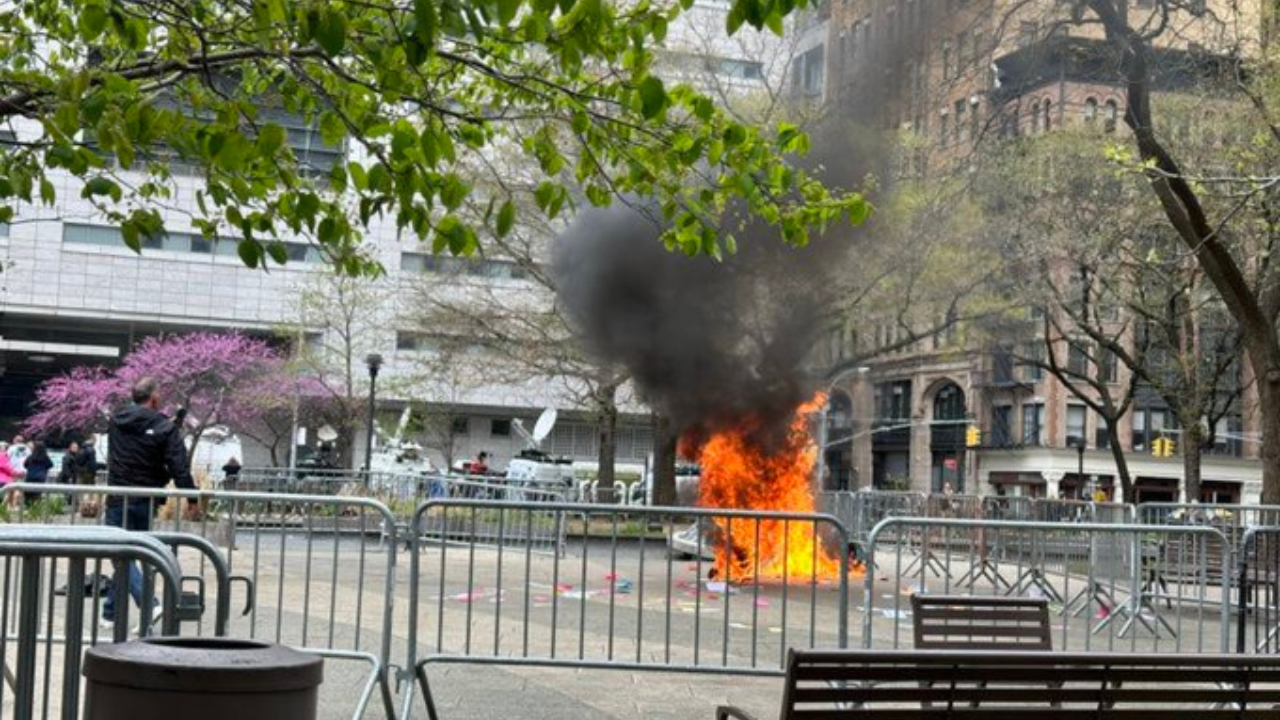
<point>1192,452</point>
<point>1255,314</point>
<point>664,462</point>
<point>1127,493</point>
<point>1268,384</point>
<point>195,441</point>
<point>607,422</point>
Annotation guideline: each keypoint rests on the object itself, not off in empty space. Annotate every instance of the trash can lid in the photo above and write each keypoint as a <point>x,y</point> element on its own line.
<point>204,665</point>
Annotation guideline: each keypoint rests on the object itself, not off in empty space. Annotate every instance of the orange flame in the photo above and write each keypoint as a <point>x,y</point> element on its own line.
<point>738,474</point>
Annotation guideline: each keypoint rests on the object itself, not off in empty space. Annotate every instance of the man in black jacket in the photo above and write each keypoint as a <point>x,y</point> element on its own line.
<point>145,450</point>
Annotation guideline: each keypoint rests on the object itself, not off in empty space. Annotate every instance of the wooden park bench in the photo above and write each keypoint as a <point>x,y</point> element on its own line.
<point>955,622</point>
<point>983,685</point>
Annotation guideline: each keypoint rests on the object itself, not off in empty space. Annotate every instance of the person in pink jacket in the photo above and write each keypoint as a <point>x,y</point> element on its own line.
<point>8,473</point>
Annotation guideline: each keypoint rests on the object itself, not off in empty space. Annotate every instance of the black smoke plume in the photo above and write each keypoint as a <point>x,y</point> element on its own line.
<point>709,344</point>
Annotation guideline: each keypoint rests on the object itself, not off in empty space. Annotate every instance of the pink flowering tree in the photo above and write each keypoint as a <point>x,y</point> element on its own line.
<point>267,409</point>
<point>227,379</point>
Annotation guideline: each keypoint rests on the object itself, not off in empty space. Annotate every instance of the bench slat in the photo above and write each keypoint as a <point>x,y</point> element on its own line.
<point>1018,673</point>
<point>985,713</point>
<point>950,613</point>
<point>999,630</point>
<point>1033,695</point>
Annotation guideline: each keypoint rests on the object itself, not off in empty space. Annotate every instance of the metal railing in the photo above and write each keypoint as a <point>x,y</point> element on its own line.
<point>529,580</point>
<point>617,598</point>
<point>40,633</point>
<point>321,582</point>
<point>1116,587</point>
<point>1221,516</point>
<point>1258,591</point>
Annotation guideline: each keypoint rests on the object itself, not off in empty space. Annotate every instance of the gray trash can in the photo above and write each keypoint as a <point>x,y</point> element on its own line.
<point>200,679</point>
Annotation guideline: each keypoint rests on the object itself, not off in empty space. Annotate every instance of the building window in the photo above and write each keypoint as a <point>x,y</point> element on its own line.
<point>811,71</point>
<point>1090,110</point>
<point>1110,114</point>
<point>1047,107</point>
<point>410,341</point>
<point>1033,424</point>
<point>1227,439</point>
<point>944,128</point>
<point>1035,117</point>
<point>946,61</point>
<point>1075,425</point>
<point>1139,431</point>
<point>445,265</point>
<point>1009,128</point>
<point>1101,433</point>
<point>1077,359</point>
<point>893,402</point>
<point>4,230</point>
<point>1032,369</point>
<point>500,428</point>
<point>1001,425</point>
<point>176,242</point>
<point>460,426</point>
<point>1110,370</point>
<point>1002,367</point>
<point>961,128</point>
<point>1150,424</point>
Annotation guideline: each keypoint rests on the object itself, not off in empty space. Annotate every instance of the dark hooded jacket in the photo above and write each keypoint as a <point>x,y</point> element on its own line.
<point>146,450</point>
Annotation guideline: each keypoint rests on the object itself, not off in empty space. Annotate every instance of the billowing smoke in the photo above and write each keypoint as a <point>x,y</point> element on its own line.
<point>709,344</point>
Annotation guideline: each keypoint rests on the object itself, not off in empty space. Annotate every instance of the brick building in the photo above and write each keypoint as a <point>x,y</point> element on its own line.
<point>958,75</point>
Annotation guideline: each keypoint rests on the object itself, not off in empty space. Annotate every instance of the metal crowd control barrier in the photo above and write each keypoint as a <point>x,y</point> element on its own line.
<point>222,577</point>
<point>1258,591</point>
<point>31,612</point>
<point>1221,516</point>
<point>860,511</point>
<point>392,488</point>
<point>321,582</point>
<point>618,598</point>
<point>1113,587</point>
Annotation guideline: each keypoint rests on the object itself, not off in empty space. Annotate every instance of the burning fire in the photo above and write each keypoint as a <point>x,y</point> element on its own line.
<point>738,474</point>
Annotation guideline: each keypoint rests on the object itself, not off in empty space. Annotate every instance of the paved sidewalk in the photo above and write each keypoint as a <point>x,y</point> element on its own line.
<point>490,693</point>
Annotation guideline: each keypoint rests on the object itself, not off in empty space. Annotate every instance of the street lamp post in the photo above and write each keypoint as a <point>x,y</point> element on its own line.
<point>860,372</point>
<point>374,361</point>
<point>1080,463</point>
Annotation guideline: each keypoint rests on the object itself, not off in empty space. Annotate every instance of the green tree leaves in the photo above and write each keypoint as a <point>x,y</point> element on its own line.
<point>325,119</point>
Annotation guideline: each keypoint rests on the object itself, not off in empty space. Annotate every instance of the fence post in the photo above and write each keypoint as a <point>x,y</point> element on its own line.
<point>1243,588</point>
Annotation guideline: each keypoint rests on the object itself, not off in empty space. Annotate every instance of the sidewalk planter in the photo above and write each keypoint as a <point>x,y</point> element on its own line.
<point>200,679</point>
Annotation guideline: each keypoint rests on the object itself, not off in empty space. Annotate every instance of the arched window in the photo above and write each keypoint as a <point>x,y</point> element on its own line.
<point>1035,117</point>
<point>1090,110</point>
<point>1110,114</point>
<point>1048,106</point>
<point>948,404</point>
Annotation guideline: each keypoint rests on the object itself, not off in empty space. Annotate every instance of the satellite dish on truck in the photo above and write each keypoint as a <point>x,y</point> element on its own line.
<point>541,429</point>
<point>533,469</point>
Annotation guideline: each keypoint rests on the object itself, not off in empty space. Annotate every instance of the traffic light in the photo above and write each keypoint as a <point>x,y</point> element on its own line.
<point>1162,447</point>
<point>972,437</point>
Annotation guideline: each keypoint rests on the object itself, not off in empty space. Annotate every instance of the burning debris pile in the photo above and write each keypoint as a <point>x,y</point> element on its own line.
<point>737,473</point>
<point>720,349</point>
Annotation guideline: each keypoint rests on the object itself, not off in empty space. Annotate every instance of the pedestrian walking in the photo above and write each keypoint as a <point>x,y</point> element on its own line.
<point>38,465</point>
<point>18,452</point>
<point>9,473</point>
<point>87,465</point>
<point>146,451</point>
<point>69,472</point>
<point>231,474</point>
